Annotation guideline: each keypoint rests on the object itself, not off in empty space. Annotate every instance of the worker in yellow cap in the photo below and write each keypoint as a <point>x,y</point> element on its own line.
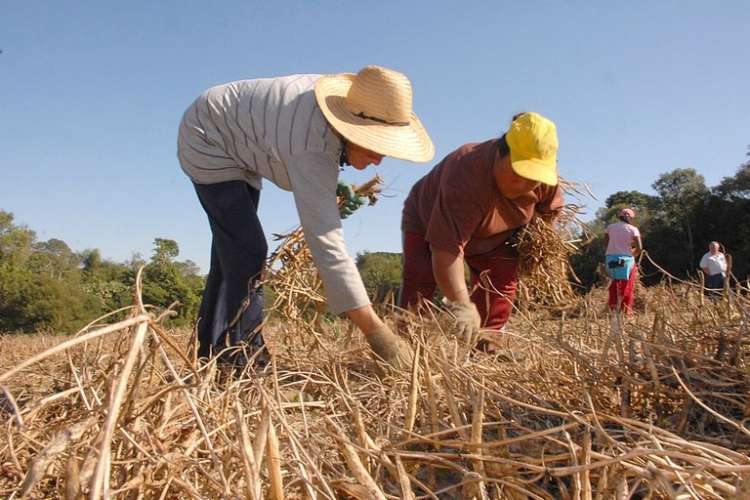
<point>466,210</point>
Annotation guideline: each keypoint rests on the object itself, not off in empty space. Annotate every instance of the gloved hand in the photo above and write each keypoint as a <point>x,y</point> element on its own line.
<point>350,201</point>
<point>467,320</point>
<point>392,348</point>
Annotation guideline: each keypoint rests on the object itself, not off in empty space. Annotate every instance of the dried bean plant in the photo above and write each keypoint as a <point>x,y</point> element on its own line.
<point>544,249</point>
<point>578,407</point>
<point>292,275</point>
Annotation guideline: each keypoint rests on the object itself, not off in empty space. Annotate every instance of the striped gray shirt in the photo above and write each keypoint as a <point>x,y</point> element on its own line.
<point>273,128</point>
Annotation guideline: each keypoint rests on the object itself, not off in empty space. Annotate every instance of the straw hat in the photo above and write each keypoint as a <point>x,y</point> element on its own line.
<point>373,109</point>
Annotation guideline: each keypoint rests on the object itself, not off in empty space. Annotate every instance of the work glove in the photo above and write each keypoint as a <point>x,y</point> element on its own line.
<point>467,321</point>
<point>392,348</point>
<point>350,201</point>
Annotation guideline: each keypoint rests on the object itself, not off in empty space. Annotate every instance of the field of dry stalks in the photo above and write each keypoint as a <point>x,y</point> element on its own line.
<point>575,406</point>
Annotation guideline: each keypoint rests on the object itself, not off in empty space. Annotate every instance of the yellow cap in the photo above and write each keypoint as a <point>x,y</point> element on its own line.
<point>532,140</point>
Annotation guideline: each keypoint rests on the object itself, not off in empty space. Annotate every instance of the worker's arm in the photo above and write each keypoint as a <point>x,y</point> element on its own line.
<point>606,241</point>
<point>365,318</point>
<point>313,177</point>
<point>448,270</point>
<point>705,271</point>
<point>449,275</point>
<point>455,216</point>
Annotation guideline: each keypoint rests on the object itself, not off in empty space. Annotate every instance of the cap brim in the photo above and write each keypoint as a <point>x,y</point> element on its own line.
<point>407,142</point>
<point>537,170</point>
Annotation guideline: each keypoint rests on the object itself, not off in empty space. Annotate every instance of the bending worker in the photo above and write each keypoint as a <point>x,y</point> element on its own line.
<point>466,209</point>
<point>295,131</point>
<point>622,240</point>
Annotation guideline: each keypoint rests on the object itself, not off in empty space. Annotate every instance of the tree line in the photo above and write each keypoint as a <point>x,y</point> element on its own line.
<point>44,285</point>
<point>677,224</point>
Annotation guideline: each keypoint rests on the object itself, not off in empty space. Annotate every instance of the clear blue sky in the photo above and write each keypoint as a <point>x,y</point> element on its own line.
<point>91,94</point>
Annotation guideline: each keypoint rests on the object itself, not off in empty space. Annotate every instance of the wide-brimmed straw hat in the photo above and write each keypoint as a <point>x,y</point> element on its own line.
<point>373,109</point>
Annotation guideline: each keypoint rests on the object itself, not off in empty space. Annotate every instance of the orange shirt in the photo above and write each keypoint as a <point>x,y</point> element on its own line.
<point>458,207</point>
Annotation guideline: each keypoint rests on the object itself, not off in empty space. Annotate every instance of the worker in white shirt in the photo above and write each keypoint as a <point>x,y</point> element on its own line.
<point>714,266</point>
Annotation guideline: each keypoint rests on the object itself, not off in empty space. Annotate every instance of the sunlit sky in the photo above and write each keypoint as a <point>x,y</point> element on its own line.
<point>91,94</point>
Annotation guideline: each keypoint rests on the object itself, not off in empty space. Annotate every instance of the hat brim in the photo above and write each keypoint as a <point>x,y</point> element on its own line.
<point>407,142</point>
<point>536,170</point>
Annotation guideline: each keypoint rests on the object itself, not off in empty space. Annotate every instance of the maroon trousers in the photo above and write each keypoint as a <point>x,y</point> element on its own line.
<point>494,272</point>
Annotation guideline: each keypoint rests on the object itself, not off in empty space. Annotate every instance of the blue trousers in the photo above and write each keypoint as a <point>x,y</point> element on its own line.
<point>231,312</point>
<point>715,281</point>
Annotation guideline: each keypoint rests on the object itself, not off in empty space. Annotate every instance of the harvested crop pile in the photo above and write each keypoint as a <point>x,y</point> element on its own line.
<point>544,248</point>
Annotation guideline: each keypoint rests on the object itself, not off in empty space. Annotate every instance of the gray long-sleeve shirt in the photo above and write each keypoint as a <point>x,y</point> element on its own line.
<point>272,128</point>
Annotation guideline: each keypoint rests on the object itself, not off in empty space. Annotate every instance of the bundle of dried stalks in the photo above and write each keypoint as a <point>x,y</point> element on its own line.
<point>652,407</point>
<point>544,248</point>
<point>292,275</point>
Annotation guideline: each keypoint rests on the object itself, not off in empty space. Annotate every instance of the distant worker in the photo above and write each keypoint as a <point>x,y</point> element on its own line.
<point>466,210</point>
<point>714,266</point>
<point>622,241</point>
<point>295,131</point>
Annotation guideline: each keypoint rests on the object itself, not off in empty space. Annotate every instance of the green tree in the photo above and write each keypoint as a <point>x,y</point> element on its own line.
<point>40,282</point>
<point>677,223</point>
<point>44,285</point>
<point>165,250</point>
<point>91,260</point>
<point>166,281</point>
<point>16,242</point>
<point>644,205</point>
<point>681,193</point>
<point>109,282</point>
<point>381,273</point>
<point>736,187</point>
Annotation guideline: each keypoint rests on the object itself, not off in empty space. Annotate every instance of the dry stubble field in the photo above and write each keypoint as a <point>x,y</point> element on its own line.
<point>573,406</point>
